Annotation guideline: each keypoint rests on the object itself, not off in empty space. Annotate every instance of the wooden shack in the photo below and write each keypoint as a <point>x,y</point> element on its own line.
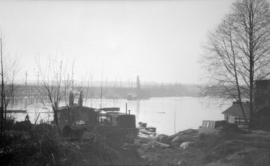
<point>77,115</point>
<point>234,114</point>
<point>261,112</point>
<point>111,116</point>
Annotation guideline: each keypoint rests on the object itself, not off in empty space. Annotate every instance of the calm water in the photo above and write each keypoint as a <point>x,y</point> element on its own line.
<point>168,115</point>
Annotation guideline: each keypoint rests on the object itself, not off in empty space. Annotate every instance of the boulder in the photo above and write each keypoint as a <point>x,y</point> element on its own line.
<point>176,139</point>
<point>88,136</point>
<point>181,163</point>
<point>163,138</point>
<point>183,136</point>
<point>185,145</point>
<point>162,145</point>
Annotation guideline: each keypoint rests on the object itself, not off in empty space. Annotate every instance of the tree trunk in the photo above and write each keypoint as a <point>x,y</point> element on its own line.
<point>251,61</point>
<point>55,116</point>
<point>2,89</point>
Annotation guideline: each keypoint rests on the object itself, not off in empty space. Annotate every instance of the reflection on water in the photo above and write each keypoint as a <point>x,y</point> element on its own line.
<point>168,115</point>
<point>137,108</point>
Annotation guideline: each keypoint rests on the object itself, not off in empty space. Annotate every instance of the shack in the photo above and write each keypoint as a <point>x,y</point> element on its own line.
<point>114,125</point>
<point>261,107</point>
<point>76,114</point>
<point>234,114</point>
<point>113,117</point>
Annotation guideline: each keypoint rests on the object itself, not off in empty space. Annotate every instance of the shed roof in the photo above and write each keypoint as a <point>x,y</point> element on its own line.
<point>75,107</point>
<point>235,109</point>
<point>110,109</point>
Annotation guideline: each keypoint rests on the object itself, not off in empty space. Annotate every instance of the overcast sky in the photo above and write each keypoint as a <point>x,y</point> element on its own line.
<point>160,41</point>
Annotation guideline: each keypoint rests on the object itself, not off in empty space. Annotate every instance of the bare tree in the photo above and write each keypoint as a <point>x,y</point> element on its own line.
<point>2,89</point>
<point>55,84</point>
<point>51,84</point>
<point>239,51</point>
<point>7,86</point>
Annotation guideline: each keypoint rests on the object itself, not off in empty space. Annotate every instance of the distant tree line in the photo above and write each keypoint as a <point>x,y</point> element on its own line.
<point>158,90</point>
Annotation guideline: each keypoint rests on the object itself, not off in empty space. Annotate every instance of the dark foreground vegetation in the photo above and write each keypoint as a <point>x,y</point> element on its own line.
<point>33,145</point>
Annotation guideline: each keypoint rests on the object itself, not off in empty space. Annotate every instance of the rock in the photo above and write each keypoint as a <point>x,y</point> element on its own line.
<point>188,132</point>
<point>163,138</point>
<point>154,144</point>
<point>185,145</point>
<point>86,136</point>
<point>128,146</point>
<point>162,145</point>
<point>182,136</point>
<point>177,140</point>
<point>181,163</point>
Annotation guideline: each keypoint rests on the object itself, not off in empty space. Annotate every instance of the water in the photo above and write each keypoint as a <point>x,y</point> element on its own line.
<point>167,114</point>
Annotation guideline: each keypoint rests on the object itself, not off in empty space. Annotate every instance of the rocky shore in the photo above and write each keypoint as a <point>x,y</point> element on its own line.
<point>33,145</point>
<point>223,148</point>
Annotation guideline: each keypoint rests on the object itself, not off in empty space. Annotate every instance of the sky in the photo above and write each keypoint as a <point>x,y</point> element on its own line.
<point>161,41</point>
